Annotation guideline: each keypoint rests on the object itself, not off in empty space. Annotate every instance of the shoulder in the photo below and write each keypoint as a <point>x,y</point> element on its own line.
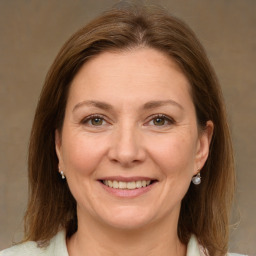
<point>28,248</point>
<point>235,254</point>
<point>195,249</point>
<point>57,247</point>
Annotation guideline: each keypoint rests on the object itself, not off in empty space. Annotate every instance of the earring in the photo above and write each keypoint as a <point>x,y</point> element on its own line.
<point>62,175</point>
<point>197,179</point>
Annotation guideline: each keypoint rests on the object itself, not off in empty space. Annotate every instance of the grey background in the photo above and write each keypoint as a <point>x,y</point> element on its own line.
<point>32,32</point>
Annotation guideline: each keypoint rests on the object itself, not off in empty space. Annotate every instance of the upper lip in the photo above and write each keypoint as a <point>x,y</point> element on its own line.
<point>127,179</point>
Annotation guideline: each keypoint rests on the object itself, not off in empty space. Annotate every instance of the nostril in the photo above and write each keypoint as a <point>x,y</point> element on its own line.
<point>126,149</point>
<point>126,159</point>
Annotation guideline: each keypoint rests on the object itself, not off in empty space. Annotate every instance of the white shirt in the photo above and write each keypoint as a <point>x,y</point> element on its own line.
<point>57,247</point>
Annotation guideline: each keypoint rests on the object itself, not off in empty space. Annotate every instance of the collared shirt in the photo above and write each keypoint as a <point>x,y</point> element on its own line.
<point>57,247</point>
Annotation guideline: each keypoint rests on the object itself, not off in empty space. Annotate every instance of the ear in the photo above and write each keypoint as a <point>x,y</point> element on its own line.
<point>203,146</point>
<point>58,147</point>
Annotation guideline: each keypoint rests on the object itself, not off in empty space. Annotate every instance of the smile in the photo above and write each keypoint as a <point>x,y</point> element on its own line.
<point>127,185</point>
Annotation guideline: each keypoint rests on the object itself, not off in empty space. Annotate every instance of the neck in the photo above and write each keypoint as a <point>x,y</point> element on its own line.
<point>94,239</point>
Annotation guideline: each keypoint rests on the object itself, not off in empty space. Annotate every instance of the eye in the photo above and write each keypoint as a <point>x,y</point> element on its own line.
<point>161,120</point>
<point>94,120</point>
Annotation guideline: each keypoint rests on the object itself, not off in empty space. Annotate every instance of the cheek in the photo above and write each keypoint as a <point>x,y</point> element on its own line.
<point>174,154</point>
<point>82,154</point>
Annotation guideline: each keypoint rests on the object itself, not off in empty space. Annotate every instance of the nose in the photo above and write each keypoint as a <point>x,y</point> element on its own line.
<point>127,147</point>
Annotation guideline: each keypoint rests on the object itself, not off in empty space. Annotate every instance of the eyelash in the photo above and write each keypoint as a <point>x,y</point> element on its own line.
<point>167,119</point>
<point>91,117</point>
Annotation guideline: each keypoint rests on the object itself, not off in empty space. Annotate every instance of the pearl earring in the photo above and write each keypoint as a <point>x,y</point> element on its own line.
<point>197,179</point>
<point>62,175</point>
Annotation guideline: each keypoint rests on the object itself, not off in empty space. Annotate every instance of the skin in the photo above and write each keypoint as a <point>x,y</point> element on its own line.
<point>126,139</point>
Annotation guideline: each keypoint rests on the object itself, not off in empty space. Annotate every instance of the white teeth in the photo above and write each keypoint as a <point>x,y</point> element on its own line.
<point>126,185</point>
<point>131,185</point>
<point>138,184</point>
<point>110,183</point>
<point>122,185</point>
<point>115,184</point>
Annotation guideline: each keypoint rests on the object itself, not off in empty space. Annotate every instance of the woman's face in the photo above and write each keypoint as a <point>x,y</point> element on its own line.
<point>130,142</point>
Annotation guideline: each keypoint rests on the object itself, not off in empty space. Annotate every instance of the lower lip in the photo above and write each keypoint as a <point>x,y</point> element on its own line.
<point>128,193</point>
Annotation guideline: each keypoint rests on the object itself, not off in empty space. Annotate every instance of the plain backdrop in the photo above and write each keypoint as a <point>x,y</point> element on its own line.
<point>32,32</point>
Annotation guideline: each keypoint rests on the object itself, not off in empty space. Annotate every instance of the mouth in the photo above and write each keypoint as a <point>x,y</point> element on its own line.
<point>127,187</point>
<point>130,185</point>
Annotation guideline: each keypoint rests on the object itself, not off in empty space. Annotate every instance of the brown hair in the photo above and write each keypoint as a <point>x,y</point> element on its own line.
<point>205,208</point>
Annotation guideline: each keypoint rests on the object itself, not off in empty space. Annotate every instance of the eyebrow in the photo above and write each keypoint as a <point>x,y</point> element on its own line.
<point>160,103</point>
<point>93,103</point>
<point>106,106</point>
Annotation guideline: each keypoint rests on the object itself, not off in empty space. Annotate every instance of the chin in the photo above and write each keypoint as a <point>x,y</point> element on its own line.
<point>128,218</point>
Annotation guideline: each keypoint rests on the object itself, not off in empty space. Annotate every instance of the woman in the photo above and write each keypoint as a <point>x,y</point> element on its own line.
<point>130,151</point>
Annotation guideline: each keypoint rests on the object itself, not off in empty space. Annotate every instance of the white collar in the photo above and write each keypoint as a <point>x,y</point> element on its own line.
<point>193,248</point>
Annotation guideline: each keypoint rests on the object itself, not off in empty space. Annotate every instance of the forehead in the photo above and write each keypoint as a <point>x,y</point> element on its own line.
<point>141,73</point>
